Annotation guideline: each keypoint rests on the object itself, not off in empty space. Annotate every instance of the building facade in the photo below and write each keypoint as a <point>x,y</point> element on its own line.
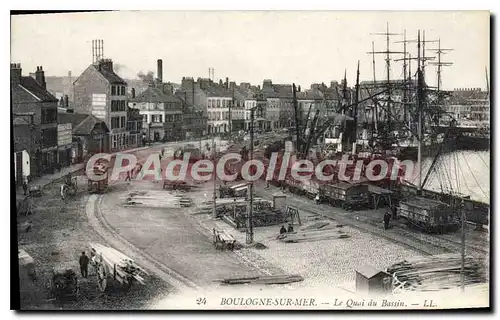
<point>35,120</point>
<point>90,135</point>
<point>161,113</point>
<point>99,91</point>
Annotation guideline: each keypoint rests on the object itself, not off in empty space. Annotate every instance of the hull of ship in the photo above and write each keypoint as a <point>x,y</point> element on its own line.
<point>475,143</point>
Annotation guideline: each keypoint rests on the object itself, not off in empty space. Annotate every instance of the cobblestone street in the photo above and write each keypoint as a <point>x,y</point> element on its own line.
<point>172,237</point>
<point>326,262</point>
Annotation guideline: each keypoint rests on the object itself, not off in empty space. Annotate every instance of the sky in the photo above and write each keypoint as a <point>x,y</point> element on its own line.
<point>303,47</point>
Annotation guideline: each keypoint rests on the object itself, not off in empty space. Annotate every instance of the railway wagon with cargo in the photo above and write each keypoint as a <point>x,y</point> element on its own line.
<point>429,215</point>
<point>346,195</point>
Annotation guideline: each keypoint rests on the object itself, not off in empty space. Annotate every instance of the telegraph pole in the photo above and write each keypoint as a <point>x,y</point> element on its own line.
<point>296,112</point>
<point>249,238</point>
<point>214,212</point>
<point>462,271</point>
<point>230,107</point>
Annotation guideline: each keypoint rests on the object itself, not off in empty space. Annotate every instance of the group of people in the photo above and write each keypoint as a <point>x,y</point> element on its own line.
<point>285,230</point>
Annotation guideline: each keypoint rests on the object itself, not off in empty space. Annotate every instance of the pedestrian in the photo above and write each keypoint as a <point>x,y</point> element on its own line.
<point>25,187</point>
<point>128,176</point>
<point>317,198</point>
<point>394,212</point>
<point>290,228</point>
<point>282,230</point>
<point>84,264</point>
<point>387,218</point>
<point>267,184</point>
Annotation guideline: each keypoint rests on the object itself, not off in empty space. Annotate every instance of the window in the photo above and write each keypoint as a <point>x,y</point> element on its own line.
<point>161,118</point>
<point>118,106</point>
<point>113,90</point>
<point>122,122</point>
<point>224,103</point>
<point>210,103</point>
<point>49,116</point>
<point>115,122</point>
<point>218,103</point>
<point>123,90</point>
<point>113,139</point>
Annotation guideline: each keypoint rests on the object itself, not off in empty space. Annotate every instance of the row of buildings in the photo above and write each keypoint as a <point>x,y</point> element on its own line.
<point>100,112</point>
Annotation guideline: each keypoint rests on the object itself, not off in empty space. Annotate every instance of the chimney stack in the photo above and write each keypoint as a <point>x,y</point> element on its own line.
<point>133,93</point>
<point>15,73</point>
<point>160,70</point>
<point>40,77</point>
<point>227,83</point>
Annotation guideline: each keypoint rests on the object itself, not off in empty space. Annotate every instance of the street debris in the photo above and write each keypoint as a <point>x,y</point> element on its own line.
<point>267,280</point>
<point>25,226</point>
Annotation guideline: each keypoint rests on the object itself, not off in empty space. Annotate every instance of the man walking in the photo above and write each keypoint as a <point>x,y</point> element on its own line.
<point>25,186</point>
<point>387,218</point>
<point>84,264</point>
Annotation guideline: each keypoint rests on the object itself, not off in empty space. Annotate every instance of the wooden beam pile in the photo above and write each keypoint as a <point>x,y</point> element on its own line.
<point>267,280</point>
<point>118,265</point>
<point>162,199</point>
<point>437,272</point>
<point>316,232</point>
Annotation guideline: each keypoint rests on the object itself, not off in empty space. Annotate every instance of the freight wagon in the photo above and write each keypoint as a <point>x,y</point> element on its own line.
<point>429,215</point>
<point>348,196</point>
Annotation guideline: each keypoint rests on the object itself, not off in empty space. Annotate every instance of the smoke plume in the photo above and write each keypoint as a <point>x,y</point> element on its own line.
<point>146,78</point>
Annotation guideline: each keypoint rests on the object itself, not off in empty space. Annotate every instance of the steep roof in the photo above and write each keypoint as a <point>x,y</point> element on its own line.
<point>111,76</point>
<point>154,95</point>
<point>82,124</point>
<point>36,89</point>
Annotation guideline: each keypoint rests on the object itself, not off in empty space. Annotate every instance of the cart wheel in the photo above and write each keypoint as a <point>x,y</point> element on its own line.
<point>127,285</point>
<point>101,277</point>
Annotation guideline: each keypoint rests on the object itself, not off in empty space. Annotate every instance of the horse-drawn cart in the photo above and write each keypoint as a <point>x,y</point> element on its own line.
<point>110,263</point>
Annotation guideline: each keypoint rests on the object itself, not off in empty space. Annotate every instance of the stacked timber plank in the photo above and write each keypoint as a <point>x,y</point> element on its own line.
<point>267,280</point>
<point>436,272</point>
<point>160,199</point>
<point>316,232</point>
<point>118,265</point>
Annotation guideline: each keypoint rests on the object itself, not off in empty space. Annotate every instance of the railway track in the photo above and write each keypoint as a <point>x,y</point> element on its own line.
<point>427,244</point>
<point>106,231</point>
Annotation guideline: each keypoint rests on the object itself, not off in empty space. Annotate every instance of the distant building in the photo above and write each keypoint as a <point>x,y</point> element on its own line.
<point>194,121</point>
<point>34,112</point>
<point>161,113</point>
<point>469,104</point>
<point>99,91</point>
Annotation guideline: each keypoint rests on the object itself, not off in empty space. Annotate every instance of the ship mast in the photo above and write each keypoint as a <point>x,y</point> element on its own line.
<point>440,64</point>
<point>388,54</point>
<point>419,109</point>
<point>375,110</point>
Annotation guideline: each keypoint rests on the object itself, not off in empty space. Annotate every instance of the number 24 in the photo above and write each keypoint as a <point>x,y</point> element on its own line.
<point>201,301</point>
